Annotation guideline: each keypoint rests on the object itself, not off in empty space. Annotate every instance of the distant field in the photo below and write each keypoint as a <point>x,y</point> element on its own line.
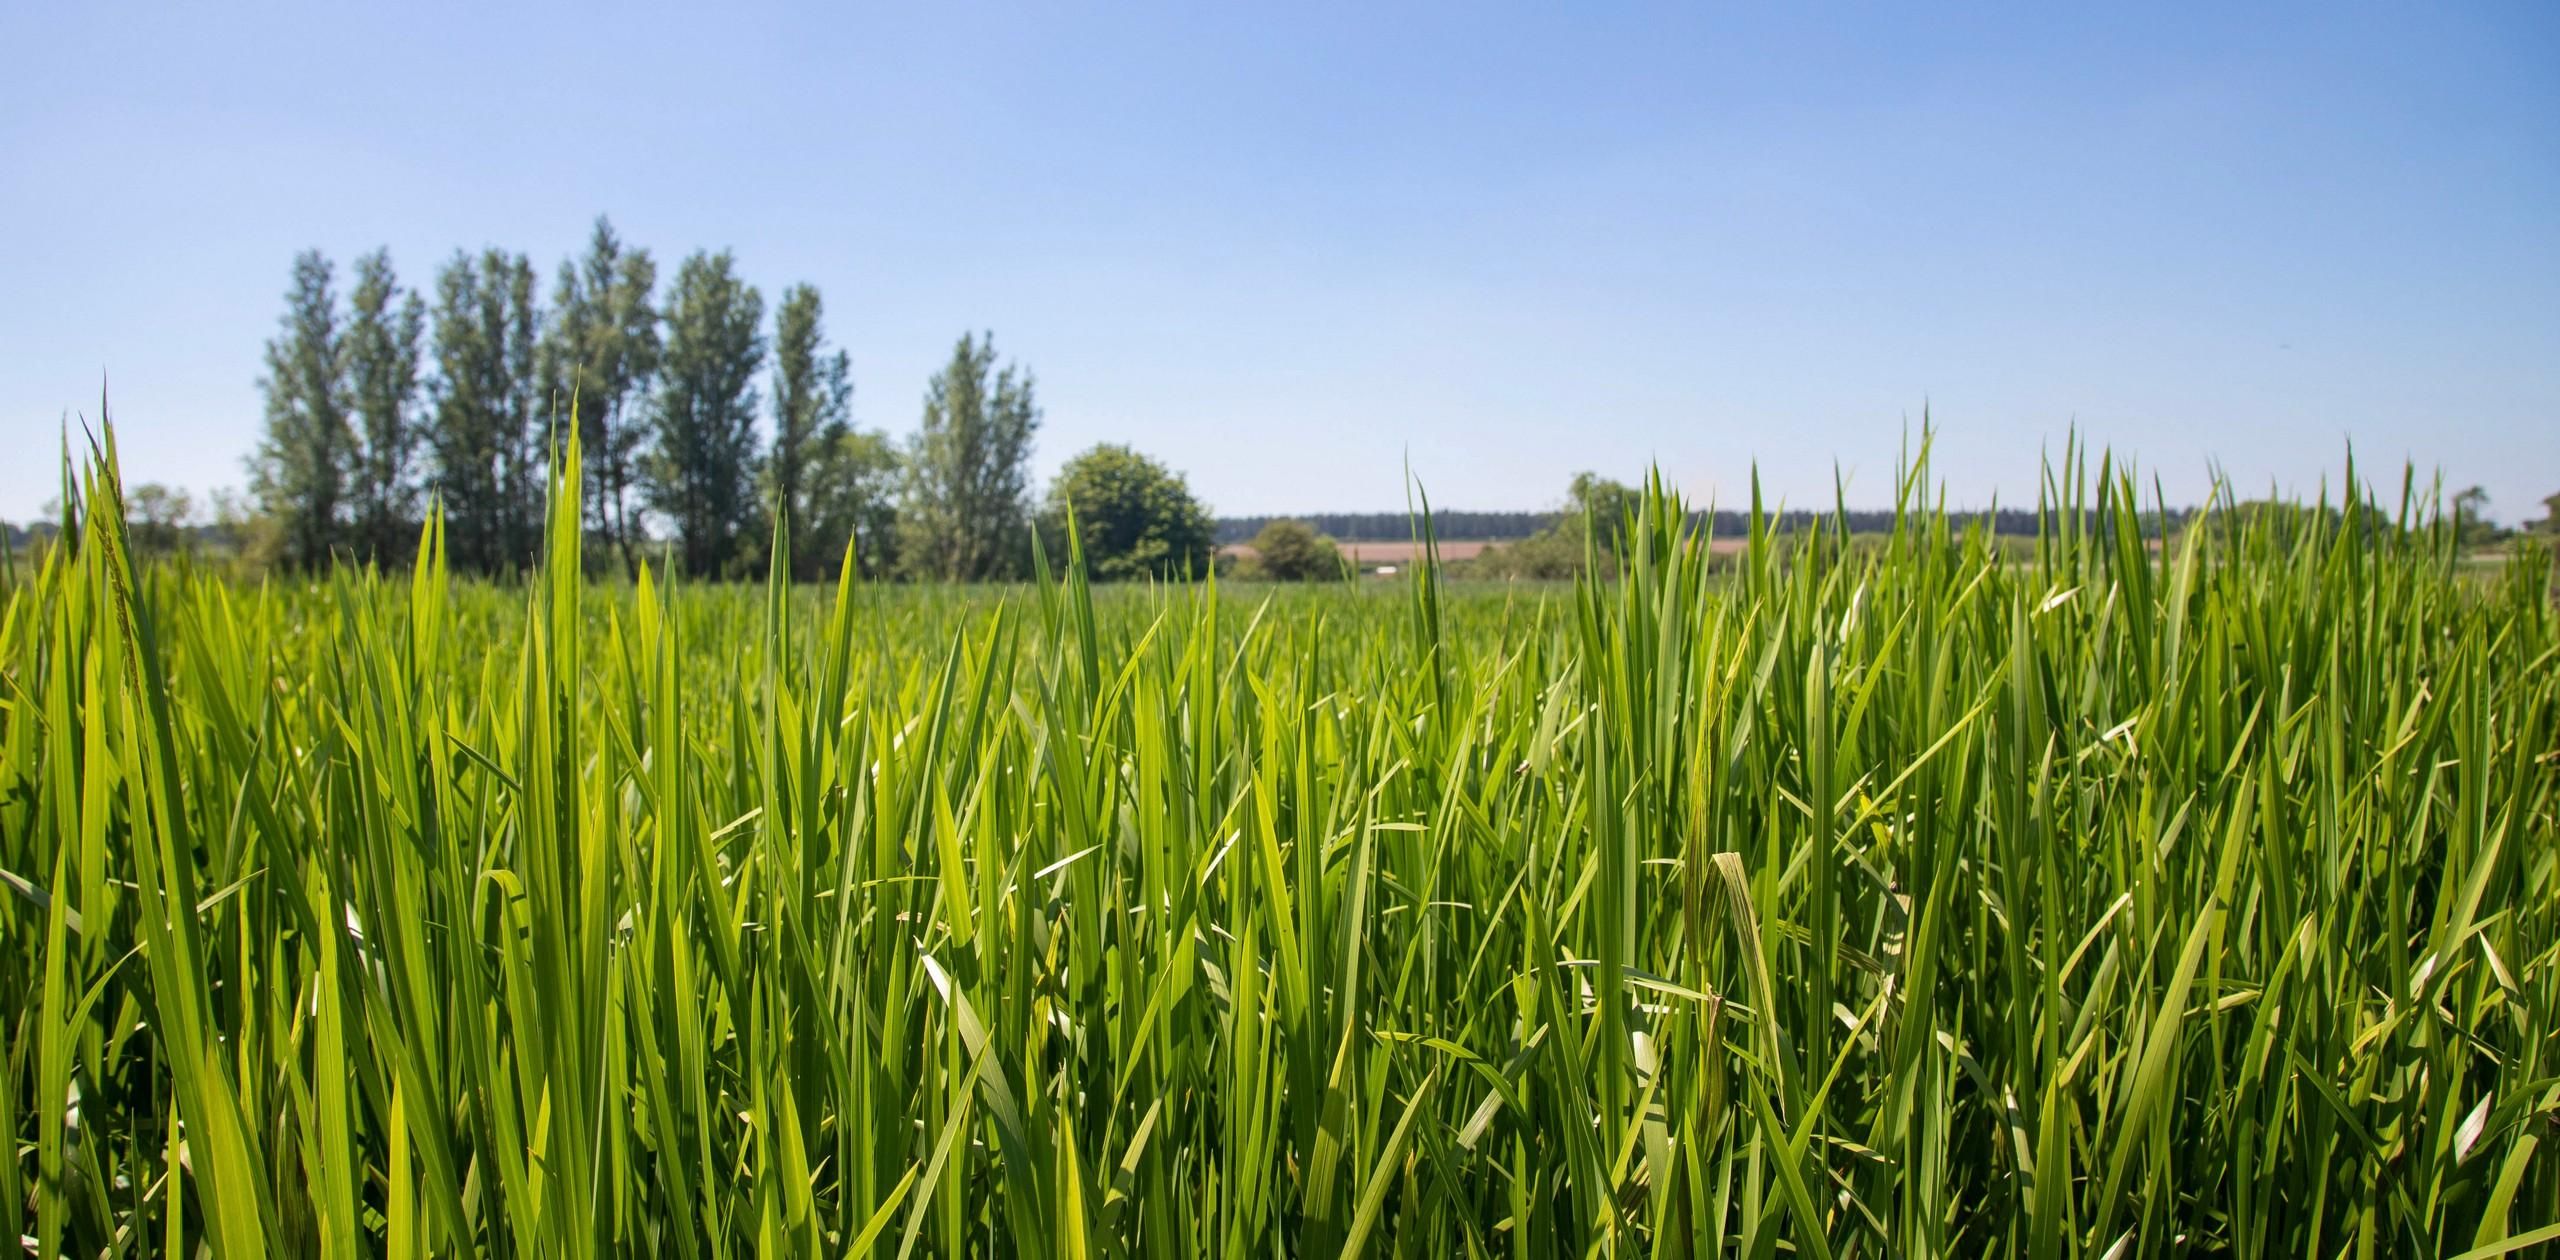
<point>1376,553</point>
<point>1369,554</point>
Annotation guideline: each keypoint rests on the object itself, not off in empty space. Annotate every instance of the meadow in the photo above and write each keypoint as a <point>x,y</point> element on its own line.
<point>2142,897</point>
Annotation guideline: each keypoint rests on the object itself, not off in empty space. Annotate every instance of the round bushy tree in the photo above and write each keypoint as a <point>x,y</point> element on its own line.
<point>1292,551</point>
<point>1135,517</point>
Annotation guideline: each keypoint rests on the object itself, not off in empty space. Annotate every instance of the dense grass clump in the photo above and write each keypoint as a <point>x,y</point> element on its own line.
<point>1903,900</point>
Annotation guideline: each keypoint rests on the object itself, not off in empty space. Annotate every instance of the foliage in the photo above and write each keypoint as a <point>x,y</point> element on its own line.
<point>853,498</point>
<point>1512,526</point>
<point>384,334</point>
<point>1908,901</point>
<point>1601,509</point>
<point>1547,556</point>
<point>966,511</point>
<point>812,419</point>
<point>1289,551</point>
<point>702,472</point>
<point>1588,529</point>
<point>838,485</point>
<point>483,446</point>
<point>159,517</point>
<point>1134,517</point>
<point>601,349</point>
<point>2471,518</point>
<point>301,468</point>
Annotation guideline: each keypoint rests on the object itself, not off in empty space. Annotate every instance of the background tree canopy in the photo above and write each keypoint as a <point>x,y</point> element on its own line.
<point>968,470</point>
<point>1135,517</point>
<point>1292,551</point>
<point>384,398</point>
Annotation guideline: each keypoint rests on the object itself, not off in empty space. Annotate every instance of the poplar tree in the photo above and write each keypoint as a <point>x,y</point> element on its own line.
<point>966,516</point>
<point>301,468</point>
<point>601,349</point>
<point>812,417</point>
<point>529,425</point>
<point>701,471</point>
<point>485,461</point>
<point>838,484</point>
<point>380,350</point>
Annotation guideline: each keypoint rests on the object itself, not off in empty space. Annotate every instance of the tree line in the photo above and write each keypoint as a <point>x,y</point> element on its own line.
<point>1360,527</point>
<point>699,420</point>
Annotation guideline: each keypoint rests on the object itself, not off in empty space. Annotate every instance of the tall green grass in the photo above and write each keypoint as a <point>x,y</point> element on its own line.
<point>1903,900</point>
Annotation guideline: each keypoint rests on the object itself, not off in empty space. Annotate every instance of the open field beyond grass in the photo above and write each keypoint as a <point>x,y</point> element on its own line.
<point>1451,551</point>
<point>1898,901</point>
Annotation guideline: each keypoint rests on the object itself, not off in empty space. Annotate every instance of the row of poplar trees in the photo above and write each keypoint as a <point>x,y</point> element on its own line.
<point>388,401</point>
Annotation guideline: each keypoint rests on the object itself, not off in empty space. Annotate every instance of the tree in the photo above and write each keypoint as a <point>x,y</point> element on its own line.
<point>1134,517</point>
<point>463,440</point>
<point>966,514</point>
<point>853,498</point>
<point>600,350</point>
<point>1595,502</point>
<point>381,352</point>
<point>701,473</point>
<point>160,516</point>
<point>300,471</point>
<point>530,426</point>
<point>485,460</point>
<point>2551,515</point>
<point>1591,523</point>
<point>812,410</point>
<point>2471,523</point>
<point>1291,551</point>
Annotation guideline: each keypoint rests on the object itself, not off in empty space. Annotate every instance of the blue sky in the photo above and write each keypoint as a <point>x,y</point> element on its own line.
<point>1287,248</point>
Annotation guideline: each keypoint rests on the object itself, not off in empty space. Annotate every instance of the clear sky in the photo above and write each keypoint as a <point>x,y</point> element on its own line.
<point>1286,247</point>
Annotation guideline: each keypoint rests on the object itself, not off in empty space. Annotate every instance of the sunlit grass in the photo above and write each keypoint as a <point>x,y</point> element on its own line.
<point>2137,899</point>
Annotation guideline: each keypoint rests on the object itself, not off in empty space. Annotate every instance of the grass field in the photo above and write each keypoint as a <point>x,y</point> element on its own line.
<point>2133,901</point>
